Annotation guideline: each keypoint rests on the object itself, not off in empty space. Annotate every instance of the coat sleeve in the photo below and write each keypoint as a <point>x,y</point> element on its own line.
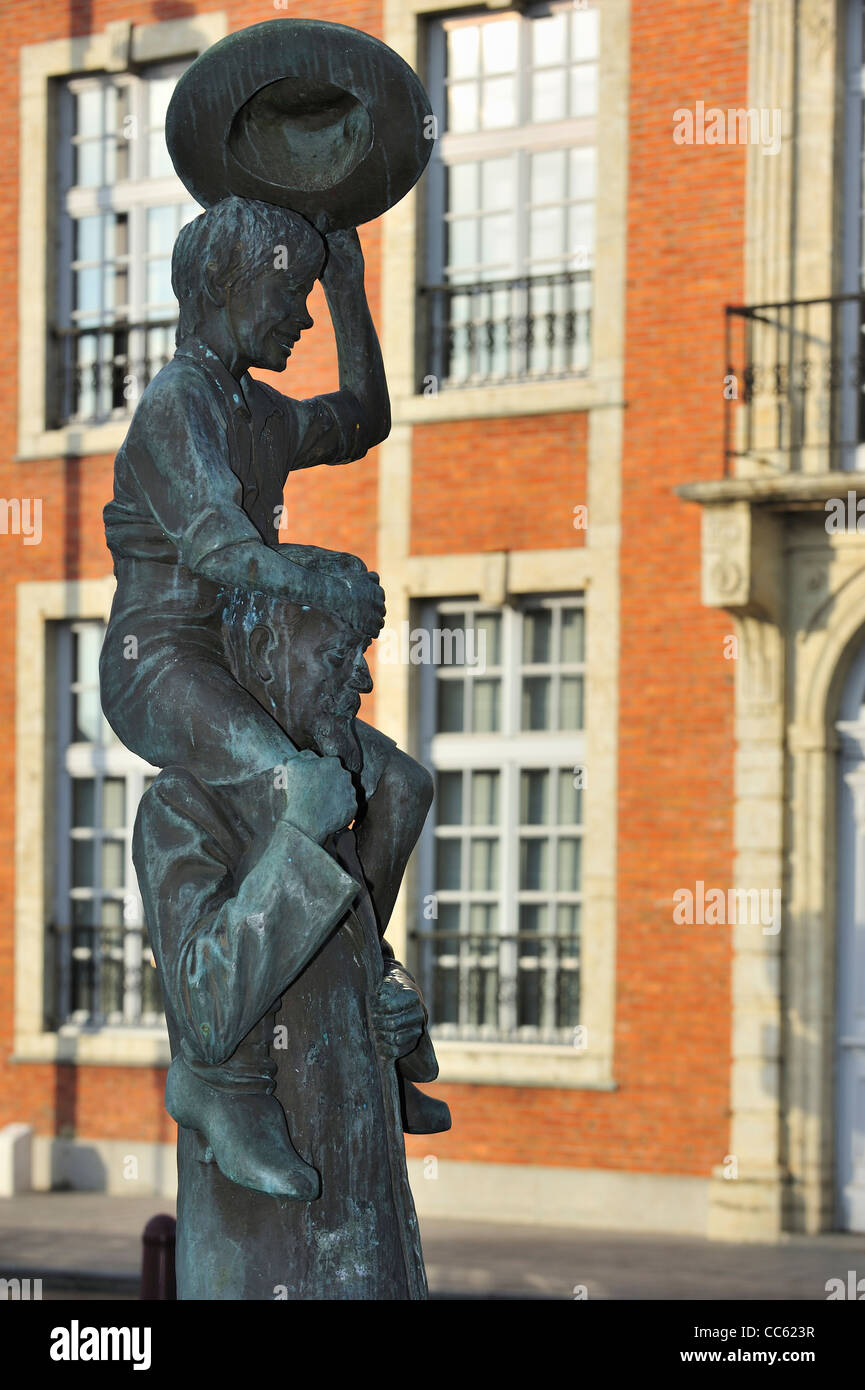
<point>226,951</point>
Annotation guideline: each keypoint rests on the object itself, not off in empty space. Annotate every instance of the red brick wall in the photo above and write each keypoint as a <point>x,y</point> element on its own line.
<point>685,230</point>
<point>506,484</point>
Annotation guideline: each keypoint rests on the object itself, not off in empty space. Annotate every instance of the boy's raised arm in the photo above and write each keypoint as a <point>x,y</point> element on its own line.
<point>363,396</point>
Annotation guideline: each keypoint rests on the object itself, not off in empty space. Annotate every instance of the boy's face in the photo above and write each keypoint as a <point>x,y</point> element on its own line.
<point>268,316</point>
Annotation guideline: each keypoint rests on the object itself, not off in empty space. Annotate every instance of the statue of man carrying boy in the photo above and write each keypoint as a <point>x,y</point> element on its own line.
<point>243,851</point>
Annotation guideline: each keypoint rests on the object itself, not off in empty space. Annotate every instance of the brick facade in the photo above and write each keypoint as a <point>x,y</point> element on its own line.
<point>501,485</point>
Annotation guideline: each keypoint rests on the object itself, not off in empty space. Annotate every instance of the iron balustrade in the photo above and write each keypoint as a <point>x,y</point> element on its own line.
<point>101,370</point>
<point>102,976</point>
<point>495,331</point>
<point>794,386</point>
<point>513,986</point>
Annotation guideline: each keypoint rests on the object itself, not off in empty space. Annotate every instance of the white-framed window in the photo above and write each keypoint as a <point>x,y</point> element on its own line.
<point>120,208</point>
<point>100,970</point>
<point>498,942</point>
<point>511,187</point>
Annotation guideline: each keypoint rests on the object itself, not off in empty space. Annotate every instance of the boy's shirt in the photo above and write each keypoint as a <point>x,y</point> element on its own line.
<point>205,461</point>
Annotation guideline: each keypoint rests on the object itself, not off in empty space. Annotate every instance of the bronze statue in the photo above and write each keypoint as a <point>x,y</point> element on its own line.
<point>271,849</point>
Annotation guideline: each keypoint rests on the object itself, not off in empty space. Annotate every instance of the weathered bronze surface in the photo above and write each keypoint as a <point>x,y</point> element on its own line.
<point>316,117</point>
<point>271,848</point>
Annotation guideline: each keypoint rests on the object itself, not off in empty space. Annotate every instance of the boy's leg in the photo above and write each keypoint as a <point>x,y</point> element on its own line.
<point>399,794</point>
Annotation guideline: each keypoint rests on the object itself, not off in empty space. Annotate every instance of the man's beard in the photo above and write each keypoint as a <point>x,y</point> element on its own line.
<point>337,738</point>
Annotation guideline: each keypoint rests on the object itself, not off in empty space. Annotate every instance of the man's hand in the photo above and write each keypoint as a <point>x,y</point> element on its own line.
<point>399,1014</point>
<point>319,797</point>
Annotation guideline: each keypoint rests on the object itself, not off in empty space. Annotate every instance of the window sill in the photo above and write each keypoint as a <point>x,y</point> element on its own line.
<point>75,440</point>
<point>515,398</point>
<point>120,1047</point>
<point>559,1067</point>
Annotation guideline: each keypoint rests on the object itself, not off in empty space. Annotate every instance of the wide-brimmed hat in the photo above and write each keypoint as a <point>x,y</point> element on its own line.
<point>312,116</point>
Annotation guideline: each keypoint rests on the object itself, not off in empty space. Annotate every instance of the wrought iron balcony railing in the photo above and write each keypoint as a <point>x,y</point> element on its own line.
<point>794,387</point>
<point>99,372</point>
<point>518,986</point>
<point>102,977</point>
<point>497,331</point>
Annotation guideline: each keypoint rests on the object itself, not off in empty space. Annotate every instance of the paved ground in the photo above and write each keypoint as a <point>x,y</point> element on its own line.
<point>87,1244</point>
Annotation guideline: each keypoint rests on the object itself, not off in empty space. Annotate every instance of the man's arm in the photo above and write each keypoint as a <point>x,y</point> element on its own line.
<point>362,403</point>
<point>225,953</point>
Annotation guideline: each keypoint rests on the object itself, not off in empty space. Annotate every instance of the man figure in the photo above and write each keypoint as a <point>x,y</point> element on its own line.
<point>259,899</point>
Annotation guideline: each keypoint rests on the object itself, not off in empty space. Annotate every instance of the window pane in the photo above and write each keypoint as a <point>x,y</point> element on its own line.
<point>88,717</point>
<point>88,111</point>
<point>487,640</point>
<point>548,176</point>
<point>583,163</point>
<point>161,223</point>
<point>570,799</point>
<point>534,864</point>
<point>463,51</point>
<point>569,865</point>
<point>484,865</point>
<point>568,921</point>
<point>537,636</point>
<point>546,233</point>
<point>498,104</point>
<point>88,290</point>
<point>498,183</point>
<point>449,798</point>
<point>450,706</point>
<point>499,43</point>
<point>114,803</point>
<point>485,798</point>
<point>113,855</point>
<point>87,646</point>
<point>534,798</point>
<point>585,33</point>
<point>463,107</point>
<point>536,703</point>
<point>549,39</point>
<point>448,860</point>
<point>462,242</point>
<point>88,238</point>
<point>159,283</point>
<point>572,634</point>
<point>581,230</point>
<point>483,919</point>
<point>83,801</point>
<point>83,912</point>
<point>159,91</point>
<point>111,913</point>
<point>88,164</point>
<point>463,188</point>
<point>549,95</point>
<point>572,702</point>
<point>82,863</point>
<point>498,241</point>
<point>158,159</point>
<point>485,706</point>
<point>584,91</point>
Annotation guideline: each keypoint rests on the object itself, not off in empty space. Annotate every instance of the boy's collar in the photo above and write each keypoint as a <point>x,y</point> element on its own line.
<point>230,387</point>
